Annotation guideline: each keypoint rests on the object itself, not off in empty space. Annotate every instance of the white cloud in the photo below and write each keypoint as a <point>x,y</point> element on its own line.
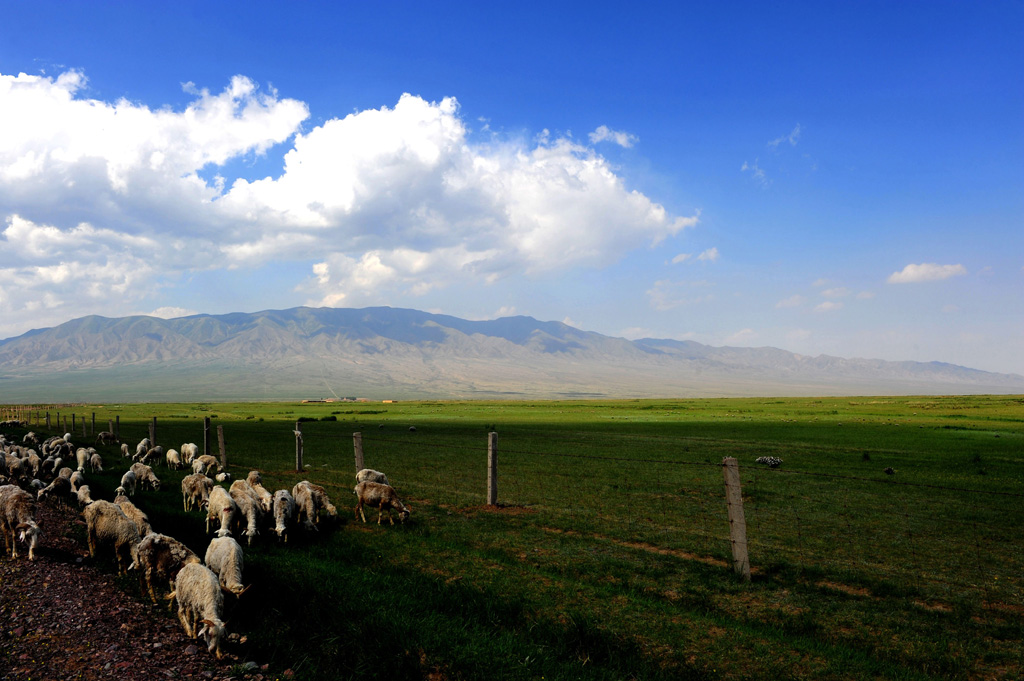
<point>829,306</point>
<point>756,172</point>
<point>840,292</point>
<point>605,134</point>
<point>742,337</point>
<point>710,255</point>
<point>171,312</point>
<point>681,258</point>
<point>793,301</point>
<point>793,137</point>
<point>384,201</point>
<point>926,272</point>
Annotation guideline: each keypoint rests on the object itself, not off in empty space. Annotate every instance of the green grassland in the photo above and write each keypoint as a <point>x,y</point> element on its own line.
<point>608,554</point>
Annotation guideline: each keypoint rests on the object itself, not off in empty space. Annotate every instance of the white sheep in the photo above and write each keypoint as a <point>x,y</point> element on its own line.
<point>106,524</point>
<point>200,600</point>
<point>222,509</point>
<point>146,477</point>
<point>84,495</point>
<point>255,481</point>
<point>124,450</point>
<point>141,448</point>
<point>173,459</point>
<point>195,491</point>
<point>284,513</point>
<point>224,557</point>
<point>77,479</point>
<point>370,475</point>
<point>223,476</point>
<point>135,514</point>
<point>96,463</point>
<point>160,558</point>
<point>248,505</point>
<point>382,497</point>
<point>82,455</point>
<point>128,483</point>
<point>306,505</point>
<point>204,464</point>
<point>17,520</point>
<point>189,451</point>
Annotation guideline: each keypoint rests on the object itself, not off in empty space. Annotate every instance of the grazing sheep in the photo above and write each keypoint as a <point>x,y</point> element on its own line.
<point>17,520</point>
<point>223,476</point>
<point>60,490</point>
<point>195,491</point>
<point>152,455</point>
<point>30,438</point>
<point>84,495</point>
<point>82,455</point>
<point>306,505</point>
<point>248,505</point>
<point>370,475</point>
<point>284,513</point>
<point>33,462</point>
<point>323,501</point>
<point>146,477</point>
<point>96,463</point>
<point>107,525</point>
<point>76,480</point>
<point>382,497</point>
<point>105,437</point>
<point>37,485</point>
<point>160,558</point>
<point>135,514</point>
<point>141,448</point>
<point>173,459</point>
<point>189,451</point>
<point>255,481</point>
<point>224,557</point>
<point>200,601</point>
<point>128,483</point>
<point>222,509</point>
<point>65,473</point>
<point>204,464</point>
<point>124,450</point>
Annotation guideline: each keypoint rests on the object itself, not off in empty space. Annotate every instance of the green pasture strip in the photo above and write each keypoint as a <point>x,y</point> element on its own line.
<point>608,555</point>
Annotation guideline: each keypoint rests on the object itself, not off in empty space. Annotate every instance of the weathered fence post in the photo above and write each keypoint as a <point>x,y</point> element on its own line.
<point>72,422</point>
<point>492,469</point>
<point>357,444</point>
<point>298,447</point>
<point>93,431</point>
<point>47,419</point>
<point>110,428</point>
<point>152,433</point>
<point>223,449</point>
<point>737,523</point>
<point>206,435</point>
<point>117,427</point>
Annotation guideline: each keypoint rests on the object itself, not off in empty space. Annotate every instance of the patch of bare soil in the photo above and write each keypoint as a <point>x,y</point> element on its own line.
<point>62,616</point>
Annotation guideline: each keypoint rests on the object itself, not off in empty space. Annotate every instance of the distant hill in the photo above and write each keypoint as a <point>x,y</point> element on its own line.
<point>388,353</point>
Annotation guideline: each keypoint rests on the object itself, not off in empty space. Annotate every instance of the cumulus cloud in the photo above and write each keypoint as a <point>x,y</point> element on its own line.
<point>387,201</point>
<point>605,134</point>
<point>926,272</point>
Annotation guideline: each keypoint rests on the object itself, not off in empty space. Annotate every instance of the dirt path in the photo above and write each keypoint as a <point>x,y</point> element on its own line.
<point>64,617</point>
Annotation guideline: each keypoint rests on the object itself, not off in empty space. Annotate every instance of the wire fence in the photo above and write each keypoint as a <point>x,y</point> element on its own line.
<point>666,494</point>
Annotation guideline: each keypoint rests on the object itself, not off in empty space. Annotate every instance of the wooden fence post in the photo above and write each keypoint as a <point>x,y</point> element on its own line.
<point>152,433</point>
<point>72,422</point>
<point>47,419</point>
<point>492,469</point>
<point>117,427</point>
<point>223,448</point>
<point>93,431</point>
<point>737,523</point>
<point>298,447</point>
<point>357,444</point>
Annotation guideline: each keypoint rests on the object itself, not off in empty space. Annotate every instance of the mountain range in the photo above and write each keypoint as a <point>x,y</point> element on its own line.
<point>388,353</point>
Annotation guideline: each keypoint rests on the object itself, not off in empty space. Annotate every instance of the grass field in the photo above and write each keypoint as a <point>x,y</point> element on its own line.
<point>608,555</point>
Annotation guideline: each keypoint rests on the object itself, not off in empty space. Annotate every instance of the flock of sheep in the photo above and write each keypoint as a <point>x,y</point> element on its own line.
<point>197,585</point>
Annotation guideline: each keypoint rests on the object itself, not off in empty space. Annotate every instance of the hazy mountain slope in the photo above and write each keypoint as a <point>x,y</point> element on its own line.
<point>402,354</point>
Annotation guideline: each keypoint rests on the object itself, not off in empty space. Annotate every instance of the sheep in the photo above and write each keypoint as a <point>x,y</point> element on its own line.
<point>323,501</point>
<point>82,455</point>
<point>141,448</point>
<point>105,437</point>
<point>173,459</point>
<point>65,473</point>
<point>76,480</point>
<point>84,496</point>
<point>159,557</point>
<point>96,463</point>
<point>255,481</point>
<point>284,513</point>
<point>370,475</point>
<point>189,451</point>
<point>106,524</point>
<point>249,505</point>
<point>383,497</point>
<point>152,455</point>
<point>224,557</point>
<point>195,491</point>
<point>135,514</point>
<point>60,489</point>
<point>128,483</point>
<point>222,509</point>
<point>306,505</point>
<point>203,464</point>
<point>124,450</point>
<point>146,477</point>
<point>17,520</point>
<point>223,476</point>
<point>200,600</point>
<point>30,438</point>
<point>33,462</point>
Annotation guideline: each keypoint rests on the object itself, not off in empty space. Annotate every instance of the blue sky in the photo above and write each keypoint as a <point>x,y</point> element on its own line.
<point>840,178</point>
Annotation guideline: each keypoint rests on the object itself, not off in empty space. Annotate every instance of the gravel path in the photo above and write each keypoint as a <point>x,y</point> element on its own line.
<point>62,616</point>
